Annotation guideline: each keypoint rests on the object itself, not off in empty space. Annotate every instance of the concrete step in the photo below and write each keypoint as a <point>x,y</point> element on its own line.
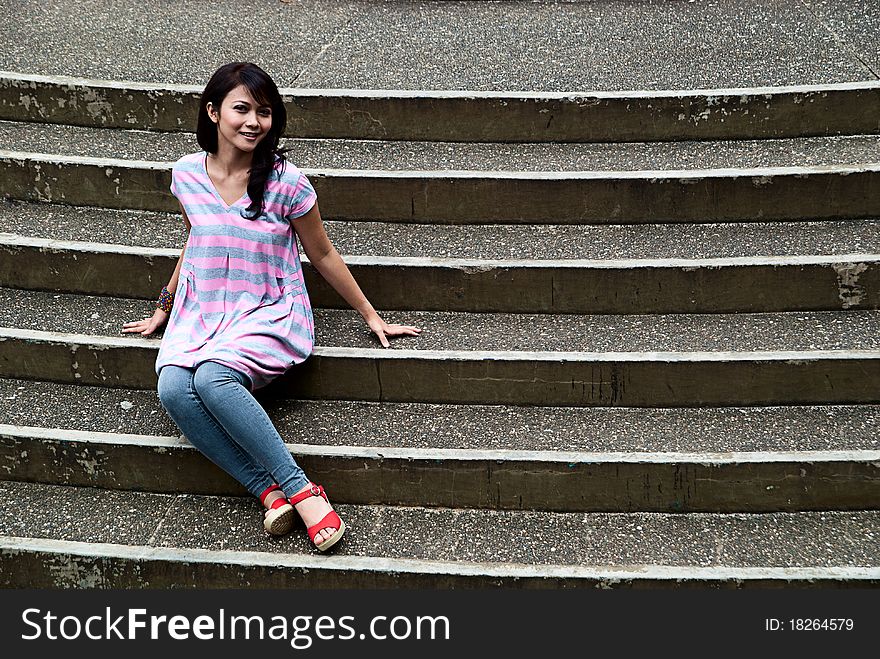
<point>527,269</point>
<point>732,114</point>
<point>433,46</point>
<point>67,140</point>
<point>84,540</point>
<point>103,316</point>
<point>476,241</point>
<point>472,197</point>
<point>675,372</point>
<point>496,457</point>
<point>492,358</point>
<point>330,424</point>
<point>545,45</point>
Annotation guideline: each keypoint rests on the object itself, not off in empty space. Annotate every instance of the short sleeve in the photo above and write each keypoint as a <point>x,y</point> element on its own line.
<point>174,179</point>
<point>303,197</point>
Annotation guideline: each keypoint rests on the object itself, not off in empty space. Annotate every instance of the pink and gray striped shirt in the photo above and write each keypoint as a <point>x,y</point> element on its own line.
<point>241,299</point>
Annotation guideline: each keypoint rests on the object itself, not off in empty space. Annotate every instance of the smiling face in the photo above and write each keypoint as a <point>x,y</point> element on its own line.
<point>241,121</point>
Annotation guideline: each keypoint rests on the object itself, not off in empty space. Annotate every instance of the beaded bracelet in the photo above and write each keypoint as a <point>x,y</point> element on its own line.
<point>166,300</point>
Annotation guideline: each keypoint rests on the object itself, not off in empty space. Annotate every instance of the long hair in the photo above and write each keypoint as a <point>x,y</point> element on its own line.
<point>265,92</point>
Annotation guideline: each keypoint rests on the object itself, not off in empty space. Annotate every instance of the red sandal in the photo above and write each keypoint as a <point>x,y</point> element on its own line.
<point>330,520</point>
<point>279,517</point>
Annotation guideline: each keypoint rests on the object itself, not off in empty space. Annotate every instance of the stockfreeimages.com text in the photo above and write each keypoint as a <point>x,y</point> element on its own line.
<point>300,631</point>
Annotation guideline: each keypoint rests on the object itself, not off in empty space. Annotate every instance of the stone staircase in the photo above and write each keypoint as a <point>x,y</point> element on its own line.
<point>650,352</point>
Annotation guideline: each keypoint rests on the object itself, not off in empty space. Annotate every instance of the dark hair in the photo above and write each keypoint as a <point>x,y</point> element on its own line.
<point>265,92</point>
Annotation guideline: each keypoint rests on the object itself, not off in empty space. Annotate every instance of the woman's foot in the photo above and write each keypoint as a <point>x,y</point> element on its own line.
<point>278,518</point>
<point>323,524</point>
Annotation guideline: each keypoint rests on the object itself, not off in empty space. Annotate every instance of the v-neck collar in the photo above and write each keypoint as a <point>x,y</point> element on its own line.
<point>216,192</point>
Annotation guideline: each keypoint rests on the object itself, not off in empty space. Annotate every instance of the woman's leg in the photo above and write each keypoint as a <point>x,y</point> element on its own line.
<point>224,393</point>
<point>226,396</point>
<point>181,401</point>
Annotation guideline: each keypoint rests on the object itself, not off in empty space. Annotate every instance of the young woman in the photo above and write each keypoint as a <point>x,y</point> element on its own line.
<point>239,315</point>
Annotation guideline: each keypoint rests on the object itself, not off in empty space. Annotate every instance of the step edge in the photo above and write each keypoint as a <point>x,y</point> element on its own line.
<point>763,91</point>
<point>708,458</point>
<point>103,342</point>
<point>19,241</point>
<point>763,174</point>
<point>13,544</point>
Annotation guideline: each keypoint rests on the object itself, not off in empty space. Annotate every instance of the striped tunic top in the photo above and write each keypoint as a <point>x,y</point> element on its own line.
<point>241,299</point>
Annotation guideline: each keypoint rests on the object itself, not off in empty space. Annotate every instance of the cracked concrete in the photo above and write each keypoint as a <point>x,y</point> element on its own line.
<point>432,45</point>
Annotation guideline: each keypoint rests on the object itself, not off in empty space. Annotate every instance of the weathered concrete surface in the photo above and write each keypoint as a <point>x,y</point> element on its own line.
<point>520,378</point>
<point>698,286</point>
<point>85,565</point>
<point>410,155</point>
<point>564,286</point>
<point>549,46</point>
<point>87,181</point>
<point>595,379</point>
<point>752,113</point>
<point>472,197</point>
<point>504,480</point>
<point>102,269</point>
<point>342,425</point>
<point>842,547</point>
<point>488,242</point>
<point>855,23</point>
<point>649,548</point>
<point>84,359</point>
<point>105,104</point>
<point>844,330</point>
<point>577,197</point>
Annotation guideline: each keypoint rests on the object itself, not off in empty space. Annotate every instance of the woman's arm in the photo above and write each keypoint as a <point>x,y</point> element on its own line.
<point>149,325</point>
<point>330,265</point>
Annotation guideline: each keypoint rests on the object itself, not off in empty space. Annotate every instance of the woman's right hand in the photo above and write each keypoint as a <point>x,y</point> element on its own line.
<point>147,326</point>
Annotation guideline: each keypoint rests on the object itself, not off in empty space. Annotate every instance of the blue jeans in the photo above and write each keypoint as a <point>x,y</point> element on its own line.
<point>215,410</point>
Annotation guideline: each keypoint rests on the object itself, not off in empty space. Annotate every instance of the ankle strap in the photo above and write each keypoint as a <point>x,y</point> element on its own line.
<point>267,492</point>
<point>312,491</point>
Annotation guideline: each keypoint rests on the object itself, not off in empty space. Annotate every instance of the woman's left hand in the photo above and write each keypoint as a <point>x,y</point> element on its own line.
<point>383,330</point>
